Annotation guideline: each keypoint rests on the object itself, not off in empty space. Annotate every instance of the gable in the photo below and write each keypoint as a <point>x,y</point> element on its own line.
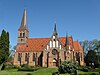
<point>54,42</point>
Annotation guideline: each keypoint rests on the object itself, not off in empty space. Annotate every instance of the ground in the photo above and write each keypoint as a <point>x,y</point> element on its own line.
<point>42,71</point>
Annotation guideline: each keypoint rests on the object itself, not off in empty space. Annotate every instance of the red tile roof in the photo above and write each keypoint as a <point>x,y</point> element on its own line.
<point>77,45</point>
<point>37,44</point>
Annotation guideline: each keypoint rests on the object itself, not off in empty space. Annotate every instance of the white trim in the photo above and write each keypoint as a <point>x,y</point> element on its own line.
<point>50,44</point>
<point>60,46</point>
<point>54,44</point>
<point>57,43</point>
<point>47,47</point>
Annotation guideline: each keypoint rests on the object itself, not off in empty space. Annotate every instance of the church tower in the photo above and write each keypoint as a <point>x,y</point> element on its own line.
<point>23,32</point>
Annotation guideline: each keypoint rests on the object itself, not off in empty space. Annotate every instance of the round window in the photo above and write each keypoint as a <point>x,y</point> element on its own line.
<point>54,51</point>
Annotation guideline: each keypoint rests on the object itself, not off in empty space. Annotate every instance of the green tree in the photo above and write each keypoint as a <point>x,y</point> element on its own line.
<point>4,46</point>
<point>97,49</point>
<point>91,58</point>
<point>68,67</point>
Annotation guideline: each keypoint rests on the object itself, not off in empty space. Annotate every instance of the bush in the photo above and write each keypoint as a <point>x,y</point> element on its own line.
<point>25,69</point>
<point>16,67</point>
<point>8,66</point>
<point>29,74</point>
<point>68,67</point>
<point>93,74</point>
<point>54,73</point>
<point>25,65</point>
<point>84,68</point>
<point>97,65</point>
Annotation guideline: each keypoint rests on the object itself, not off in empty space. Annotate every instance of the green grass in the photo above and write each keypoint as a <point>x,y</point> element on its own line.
<point>13,72</point>
<point>42,71</point>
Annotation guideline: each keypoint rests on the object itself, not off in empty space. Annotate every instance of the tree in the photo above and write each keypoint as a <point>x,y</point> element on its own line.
<point>97,49</point>
<point>91,51</point>
<point>87,45</point>
<point>90,58</point>
<point>4,46</point>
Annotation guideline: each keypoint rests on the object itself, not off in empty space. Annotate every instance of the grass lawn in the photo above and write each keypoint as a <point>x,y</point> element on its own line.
<point>42,71</point>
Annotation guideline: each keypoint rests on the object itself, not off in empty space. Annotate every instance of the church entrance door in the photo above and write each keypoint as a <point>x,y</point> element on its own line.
<point>54,62</point>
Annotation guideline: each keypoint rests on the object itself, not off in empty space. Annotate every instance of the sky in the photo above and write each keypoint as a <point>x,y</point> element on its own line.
<point>79,18</point>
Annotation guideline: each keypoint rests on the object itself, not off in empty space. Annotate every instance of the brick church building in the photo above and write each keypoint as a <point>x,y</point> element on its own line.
<point>46,52</point>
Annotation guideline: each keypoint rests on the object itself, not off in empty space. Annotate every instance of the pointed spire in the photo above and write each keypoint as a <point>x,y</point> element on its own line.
<point>55,30</point>
<point>24,21</point>
<point>67,39</point>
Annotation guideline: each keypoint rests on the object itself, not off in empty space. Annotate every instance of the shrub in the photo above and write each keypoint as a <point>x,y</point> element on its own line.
<point>97,64</point>
<point>8,66</point>
<point>93,74</point>
<point>84,68</point>
<point>68,67</point>
<point>29,74</point>
<point>25,69</point>
<point>25,65</point>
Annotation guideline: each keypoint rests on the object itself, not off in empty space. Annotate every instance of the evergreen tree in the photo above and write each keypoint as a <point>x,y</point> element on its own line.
<point>4,46</point>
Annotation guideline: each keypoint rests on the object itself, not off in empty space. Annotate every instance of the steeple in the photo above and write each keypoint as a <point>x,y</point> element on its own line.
<point>23,25</point>
<point>67,40</point>
<point>23,30</point>
<point>55,30</point>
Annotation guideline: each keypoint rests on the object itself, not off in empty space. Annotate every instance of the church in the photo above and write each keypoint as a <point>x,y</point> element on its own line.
<point>45,52</point>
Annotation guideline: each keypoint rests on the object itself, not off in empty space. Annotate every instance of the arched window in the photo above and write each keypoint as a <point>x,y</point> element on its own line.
<point>19,56</point>
<point>23,34</point>
<point>26,56</point>
<point>33,56</point>
<point>20,34</point>
<point>77,56</point>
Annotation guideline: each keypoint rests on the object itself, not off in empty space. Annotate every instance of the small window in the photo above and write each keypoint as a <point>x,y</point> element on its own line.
<point>54,39</point>
<point>20,34</point>
<point>23,34</point>
<point>21,39</point>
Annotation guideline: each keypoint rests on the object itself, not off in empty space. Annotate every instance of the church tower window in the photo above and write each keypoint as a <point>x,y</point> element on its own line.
<point>23,34</point>
<point>20,34</point>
